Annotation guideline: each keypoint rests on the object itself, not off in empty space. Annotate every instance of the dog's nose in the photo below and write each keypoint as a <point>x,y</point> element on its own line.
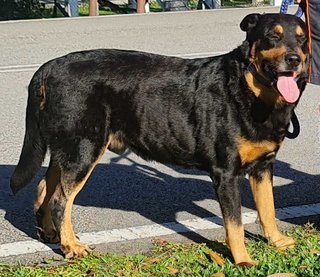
<point>292,60</point>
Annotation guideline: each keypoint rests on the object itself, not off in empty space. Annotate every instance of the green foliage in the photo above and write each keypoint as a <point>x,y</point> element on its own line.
<point>20,9</point>
<point>27,9</point>
<point>84,10</point>
<point>168,259</point>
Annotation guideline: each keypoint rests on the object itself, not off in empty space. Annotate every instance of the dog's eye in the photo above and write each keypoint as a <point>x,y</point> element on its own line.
<point>275,37</point>
<point>301,39</point>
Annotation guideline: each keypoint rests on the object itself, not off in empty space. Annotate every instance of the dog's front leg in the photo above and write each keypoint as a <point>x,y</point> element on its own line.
<point>228,192</point>
<point>262,188</point>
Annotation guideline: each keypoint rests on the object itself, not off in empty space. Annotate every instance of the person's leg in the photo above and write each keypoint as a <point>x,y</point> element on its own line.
<point>141,6</point>
<point>313,14</point>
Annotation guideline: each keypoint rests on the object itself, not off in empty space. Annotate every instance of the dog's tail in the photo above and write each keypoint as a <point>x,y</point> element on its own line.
<point>34,147</point>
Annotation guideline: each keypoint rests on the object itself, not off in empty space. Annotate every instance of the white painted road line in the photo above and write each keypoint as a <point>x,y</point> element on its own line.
<point>200,55</point>
<point>19,68</point>
<point>154,230</point>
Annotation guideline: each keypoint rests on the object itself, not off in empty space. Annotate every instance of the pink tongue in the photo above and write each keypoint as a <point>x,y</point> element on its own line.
<point>288,88</point>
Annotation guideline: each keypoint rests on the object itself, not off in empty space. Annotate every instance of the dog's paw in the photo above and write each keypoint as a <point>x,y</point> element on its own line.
<point>248,263</point>
<point>283,242</point>
<point>75,250</point>
<point>244,260</point>
<point>48,236</point>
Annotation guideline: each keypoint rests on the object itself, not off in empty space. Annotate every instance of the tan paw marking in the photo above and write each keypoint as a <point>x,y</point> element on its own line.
<point>283,242</point>
<point>75,250</point>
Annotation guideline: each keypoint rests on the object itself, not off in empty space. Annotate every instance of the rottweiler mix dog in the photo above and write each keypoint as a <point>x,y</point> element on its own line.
<point>227,115</point>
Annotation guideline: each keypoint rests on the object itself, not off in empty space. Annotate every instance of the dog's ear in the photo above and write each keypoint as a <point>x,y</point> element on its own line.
<point>249,22</point>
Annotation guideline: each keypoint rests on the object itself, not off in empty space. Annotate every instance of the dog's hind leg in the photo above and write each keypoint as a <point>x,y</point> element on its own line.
<point>227,188</point>
<point>46,188</point>
<point>74,175</point>
<point>262,188</point>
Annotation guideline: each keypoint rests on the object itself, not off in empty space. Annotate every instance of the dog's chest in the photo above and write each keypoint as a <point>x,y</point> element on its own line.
<point>250,151</point>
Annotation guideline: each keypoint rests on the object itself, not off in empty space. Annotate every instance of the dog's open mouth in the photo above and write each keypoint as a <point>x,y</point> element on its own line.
<point>287,86</point>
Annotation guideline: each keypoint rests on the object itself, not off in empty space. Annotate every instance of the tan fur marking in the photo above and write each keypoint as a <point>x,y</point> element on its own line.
<point>263,196</point>
<point>299,31</point>
<point>272,54</point>
<point>302,56</point>
<point>267,95</point>
<point>116,144</point>
<point>42,94</point>
<point>253,53</point>
<point>41,194</point>
<point>249,151</point>
<point>47,186</point>
<point>278,29</point>
<point>69,243</point>
<point>45,190</point>
<point>235,240</point>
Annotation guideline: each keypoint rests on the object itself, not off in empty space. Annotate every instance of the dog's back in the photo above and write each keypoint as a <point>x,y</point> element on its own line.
<point>163,108</point>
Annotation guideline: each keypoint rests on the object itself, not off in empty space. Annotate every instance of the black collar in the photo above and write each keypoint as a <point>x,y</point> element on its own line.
<point>261,79</point>
<point>272,84</point>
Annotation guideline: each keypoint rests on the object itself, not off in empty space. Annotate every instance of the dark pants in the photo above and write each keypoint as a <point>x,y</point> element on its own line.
<point>312,12</point>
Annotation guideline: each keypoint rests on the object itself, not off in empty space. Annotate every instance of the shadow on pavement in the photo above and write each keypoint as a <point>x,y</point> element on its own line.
<point>152,194</point>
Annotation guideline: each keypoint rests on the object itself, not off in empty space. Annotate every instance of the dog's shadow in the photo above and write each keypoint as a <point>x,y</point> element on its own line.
<point>155,195</point>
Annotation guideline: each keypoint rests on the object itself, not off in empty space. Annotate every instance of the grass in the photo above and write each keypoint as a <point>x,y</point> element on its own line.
<point>169,259</point>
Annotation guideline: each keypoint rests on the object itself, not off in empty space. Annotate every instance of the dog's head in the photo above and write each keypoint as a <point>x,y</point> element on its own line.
<point>279,51</point>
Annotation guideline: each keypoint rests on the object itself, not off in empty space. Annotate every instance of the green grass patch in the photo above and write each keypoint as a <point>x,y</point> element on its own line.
<point>168,259</point>
<point>84,10</point>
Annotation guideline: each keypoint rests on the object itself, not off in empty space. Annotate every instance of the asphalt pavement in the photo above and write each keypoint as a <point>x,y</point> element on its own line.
<point>125,192</point>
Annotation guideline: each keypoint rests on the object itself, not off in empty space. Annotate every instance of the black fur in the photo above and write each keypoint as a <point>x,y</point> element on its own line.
<point>34,147</point>
<point>188,112</point>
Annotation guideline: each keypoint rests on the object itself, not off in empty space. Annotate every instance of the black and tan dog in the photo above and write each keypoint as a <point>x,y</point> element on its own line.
<point>227,115</point>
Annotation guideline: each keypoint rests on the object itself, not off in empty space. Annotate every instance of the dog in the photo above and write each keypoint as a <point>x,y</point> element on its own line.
<point>227,115</point>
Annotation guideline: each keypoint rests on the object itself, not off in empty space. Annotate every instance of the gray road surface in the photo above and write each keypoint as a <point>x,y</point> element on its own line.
<point>125,191</point>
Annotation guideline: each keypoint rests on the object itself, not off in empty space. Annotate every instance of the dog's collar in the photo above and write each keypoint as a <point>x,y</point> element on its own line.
<point>271,83</point>
<point>261,79</point>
